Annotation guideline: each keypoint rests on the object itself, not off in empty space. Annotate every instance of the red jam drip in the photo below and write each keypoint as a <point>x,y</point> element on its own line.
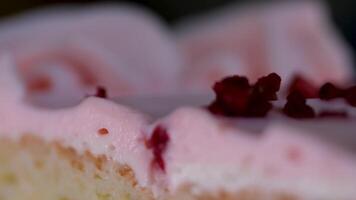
<point>158,143</point>
<point>235,97</point>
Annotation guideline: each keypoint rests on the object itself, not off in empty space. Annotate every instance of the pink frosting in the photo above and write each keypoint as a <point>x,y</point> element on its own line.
<point>197,139</point>
<point>283,150</point>
<point>78,126</point>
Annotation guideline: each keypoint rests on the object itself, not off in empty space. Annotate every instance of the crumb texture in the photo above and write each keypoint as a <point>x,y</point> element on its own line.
<point>31,169</point>
<point>244,194</point>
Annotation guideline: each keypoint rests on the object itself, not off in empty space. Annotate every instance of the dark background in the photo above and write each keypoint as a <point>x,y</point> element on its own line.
<point>343,11</point>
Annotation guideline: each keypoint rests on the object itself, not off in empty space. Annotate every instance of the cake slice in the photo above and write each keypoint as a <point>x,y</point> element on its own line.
<point>208,158</point>
<point>102,150</point>
<point>91,151</point>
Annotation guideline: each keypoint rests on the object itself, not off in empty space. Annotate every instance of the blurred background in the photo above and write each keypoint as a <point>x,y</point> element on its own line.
<point>343,13</point>
<point>62,61</point>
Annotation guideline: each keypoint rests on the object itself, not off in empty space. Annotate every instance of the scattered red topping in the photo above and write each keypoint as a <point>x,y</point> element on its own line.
<point>43,83</point>
<point>101,92</point>
<point>236,97</point>
<point>158,143</point>
<point>103,131</point>
<point>296,106</point>
<point>333,113</point>
<point>303,86</point>
<point>329,91</point>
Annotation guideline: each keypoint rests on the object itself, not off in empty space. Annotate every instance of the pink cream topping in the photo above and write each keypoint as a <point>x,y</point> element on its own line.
<point>103,127</point>
<point>190,146</point>
<point>286,152</point>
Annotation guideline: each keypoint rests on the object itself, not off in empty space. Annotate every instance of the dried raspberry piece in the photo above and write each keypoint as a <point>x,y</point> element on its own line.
<point>296,97</point>
<point>232,82</point>
<point>296,106</point>
<point>329,91</point>
<point>350,96</point>
<point>257,107</point>
<point>232,93</point>
<point>158,143</point>
<point>231,86</point>
<point>333,113</point>
<point>263,91</point>
<point>216,108</point>
<point>236,97</point>
<point>303,86</point>
<point>101,92</point>
<point>268,86</point>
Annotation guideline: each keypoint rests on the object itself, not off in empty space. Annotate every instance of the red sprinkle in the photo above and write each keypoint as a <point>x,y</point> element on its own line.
<point>101,92</point>
<point>329,91</point>
<point>333,113</point>
<point>103,131</point>
<point>303,86</point>
<point>158,143</point>
<point>296,106</point>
